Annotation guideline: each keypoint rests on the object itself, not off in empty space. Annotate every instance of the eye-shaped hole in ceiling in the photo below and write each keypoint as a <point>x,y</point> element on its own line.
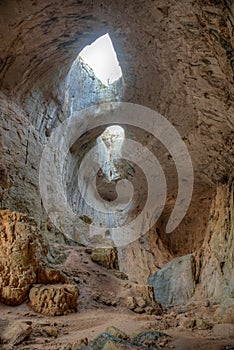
<point>110,144</point>
<point>102,58</point>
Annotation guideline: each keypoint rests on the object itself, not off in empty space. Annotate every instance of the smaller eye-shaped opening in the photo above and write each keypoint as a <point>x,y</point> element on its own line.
<point>113,133</point>
<point>110,142</point>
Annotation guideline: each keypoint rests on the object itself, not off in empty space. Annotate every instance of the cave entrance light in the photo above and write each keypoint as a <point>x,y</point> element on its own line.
<point>102,58</point>
<point>110,149</point>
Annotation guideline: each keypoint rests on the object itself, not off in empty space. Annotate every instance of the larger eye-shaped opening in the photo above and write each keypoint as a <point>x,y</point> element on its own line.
<point>102,58</point>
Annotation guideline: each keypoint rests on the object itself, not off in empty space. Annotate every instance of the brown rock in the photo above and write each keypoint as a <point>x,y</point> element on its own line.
<point>106,257</point>
<point>215,266</point>
<point>142,297</point>
<point>51,331</point>
<point>16,332</point>
<point>130,303</point>
<point>54,299</point>
<point>149,310</point>
<point>116,332</point>
<point>139,310</point>
<point>79,342</point>
<point>21,249</point>
<point>140,302</point>
<point>223,330</point>
<point>201,324</point>
<point>121,275</point>
<point>186,322</point>
<point>48,275</point>
<point>225,312</point>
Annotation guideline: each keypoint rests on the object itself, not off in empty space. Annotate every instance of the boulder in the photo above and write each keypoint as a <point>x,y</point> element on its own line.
<point>143,340</point>
<point>54,299</point>
<point>130,303</point>
<point>140,299</point>
<point>225,312</point>
<point>120,341</point>
<point>152,338</point>
<point>106,257</point>
<point>223,330</point>
<point>21,250</point>
<point>185,321</point>
<point>107,341</point>
<point>174,284</point>
<point>16,332</point>
<point>49,275</point>
<point>116,332</point>
<point>79,343</point>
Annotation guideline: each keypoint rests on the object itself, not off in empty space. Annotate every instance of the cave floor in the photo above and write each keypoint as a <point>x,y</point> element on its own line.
<point>63,330</point>
<point>98,286</point>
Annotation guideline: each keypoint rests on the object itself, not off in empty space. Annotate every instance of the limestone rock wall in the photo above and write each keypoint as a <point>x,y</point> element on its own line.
<point>21,149</point>
<point>208,273</point>
<point>176,58</point>
<point>143,257</point>
<point>215,260</point>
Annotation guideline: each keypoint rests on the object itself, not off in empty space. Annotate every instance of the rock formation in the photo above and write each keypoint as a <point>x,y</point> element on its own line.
<point>54,299</point>
<point>174,284</point>
<point>21,253</point>
<point>23,264</point>
<point>177,58</point>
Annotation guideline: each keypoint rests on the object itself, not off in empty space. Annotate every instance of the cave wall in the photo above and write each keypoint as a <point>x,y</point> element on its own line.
<point>21,148</point>
<point>215,259</point>
<point>176,58</point>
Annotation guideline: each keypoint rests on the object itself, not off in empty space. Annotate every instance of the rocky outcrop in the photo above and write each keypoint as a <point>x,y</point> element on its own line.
<point>21,252</point>
<point>174,284</point>
<point>215,260</point>
<point>141,299</point>
<point>106,257</point>
<point>187,45</point>
<point>144,340</point>
<point>143,257</point>
<point>21,148</point>
<point>209,272</point>
<point>225,311</point>
<point>116,333</point>
<point>23,263</point>
<point>49,275</point>
<point>15,332</point>
<point>54,299</point>
<point>180,63</point>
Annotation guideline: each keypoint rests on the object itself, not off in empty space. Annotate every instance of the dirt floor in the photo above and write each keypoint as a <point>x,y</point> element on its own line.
<point>90,323</point>
<point>98,286</point>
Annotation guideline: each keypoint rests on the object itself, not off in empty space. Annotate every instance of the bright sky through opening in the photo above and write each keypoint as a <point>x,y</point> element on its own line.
<point>101,57</point>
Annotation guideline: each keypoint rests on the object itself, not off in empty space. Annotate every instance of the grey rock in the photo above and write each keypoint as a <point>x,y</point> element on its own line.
<point>174,284</point>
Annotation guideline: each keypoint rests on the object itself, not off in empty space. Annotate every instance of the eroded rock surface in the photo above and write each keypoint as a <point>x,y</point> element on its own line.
<point>15,332</point>
<point>215,260</point>
<point>144,340</point>
<point>21,252</point>
<point>181,65</point>
<point>54,299</point>
<point>106,257</point>
<point>141,299</point>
